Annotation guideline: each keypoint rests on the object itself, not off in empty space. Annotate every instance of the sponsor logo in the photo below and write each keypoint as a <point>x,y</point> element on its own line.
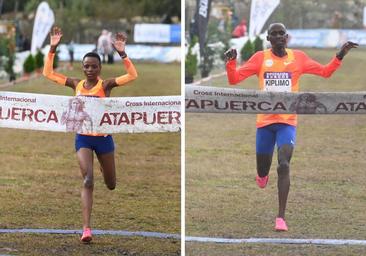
<point>203,8</point>
<point>234,105</point>
<point>26,114</point>
<point>124,118</point>
<point>350,107</point>
<point>268,63</point>
<point>277,75</point>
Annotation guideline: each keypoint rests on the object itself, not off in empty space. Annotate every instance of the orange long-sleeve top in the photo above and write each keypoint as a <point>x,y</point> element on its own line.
<point>279,74</point>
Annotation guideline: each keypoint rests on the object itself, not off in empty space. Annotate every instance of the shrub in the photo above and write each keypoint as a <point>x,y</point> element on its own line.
<point>247,51</point>
<point>29,64</point>
<point>258,44</point>
<point>38,59</point>
<point>207,61</point>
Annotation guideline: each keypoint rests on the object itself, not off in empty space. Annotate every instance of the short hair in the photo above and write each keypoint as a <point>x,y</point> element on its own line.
<point>276,24</point>
<point>94,55</point>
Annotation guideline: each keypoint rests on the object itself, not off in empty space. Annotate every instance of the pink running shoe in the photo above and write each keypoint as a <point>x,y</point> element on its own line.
<point>261,181</point>
<point>281,224</point>
<point>87,236</point>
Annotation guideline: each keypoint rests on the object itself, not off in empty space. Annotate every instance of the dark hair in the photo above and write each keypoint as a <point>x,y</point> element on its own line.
<point>94,55</point>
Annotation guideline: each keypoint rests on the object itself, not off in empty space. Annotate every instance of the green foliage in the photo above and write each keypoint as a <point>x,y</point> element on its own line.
<point>207,61</point>
<point>258,44</point>
<point>4,51</point>
<point>191,62</point>
<point>29,64</point>
<point>71,12</point>
<point>247,51</point>
<point>214,36</point>
<point>7,55</point>
<point>39,62</point>
<point>9,66</point>
<point>111,9</point>
<point>31,5</point>
<point>83,20</point>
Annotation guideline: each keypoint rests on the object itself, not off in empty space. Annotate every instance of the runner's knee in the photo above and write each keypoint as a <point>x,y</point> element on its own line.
<point>284,158</point>
<point>283,168</point>
<point>88,181</point>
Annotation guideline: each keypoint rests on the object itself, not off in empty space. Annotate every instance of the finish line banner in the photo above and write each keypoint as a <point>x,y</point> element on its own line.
<point>82,114</point>
<point>226,100</point>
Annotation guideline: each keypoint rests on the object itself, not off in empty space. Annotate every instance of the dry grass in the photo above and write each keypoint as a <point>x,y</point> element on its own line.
<point>327,197</point>
<point>40,181</point>
<point>11,244</point>
<point>273,250</point>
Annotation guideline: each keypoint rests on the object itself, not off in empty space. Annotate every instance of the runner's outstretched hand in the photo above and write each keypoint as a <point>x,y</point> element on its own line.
<point>345,49</point>
<point>120,42</point>
<point>230,54</point>
<point>55,36</point>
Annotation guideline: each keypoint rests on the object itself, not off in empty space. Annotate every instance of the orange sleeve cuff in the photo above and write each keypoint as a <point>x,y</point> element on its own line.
<point>49,72</point>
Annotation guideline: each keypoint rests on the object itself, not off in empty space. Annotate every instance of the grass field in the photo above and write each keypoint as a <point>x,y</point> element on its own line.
<point>40,181</point>
<point>327,196</point>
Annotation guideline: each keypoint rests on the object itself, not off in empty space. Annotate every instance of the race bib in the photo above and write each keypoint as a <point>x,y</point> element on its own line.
<point>277,81</point>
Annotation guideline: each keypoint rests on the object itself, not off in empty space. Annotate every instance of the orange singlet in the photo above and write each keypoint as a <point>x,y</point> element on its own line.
<point>95,91</point>
<point>279,74</point>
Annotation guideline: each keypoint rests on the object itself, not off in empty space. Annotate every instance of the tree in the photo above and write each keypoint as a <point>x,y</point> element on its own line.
<point>111,9</point>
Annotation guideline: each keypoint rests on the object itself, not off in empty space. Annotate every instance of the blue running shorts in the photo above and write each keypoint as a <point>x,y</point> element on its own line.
<point>100,144</point>
<point>269,135</point>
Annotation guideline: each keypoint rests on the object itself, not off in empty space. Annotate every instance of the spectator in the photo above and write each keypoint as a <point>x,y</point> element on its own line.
<point>240,30</point>
<point>110,51</point>
<point>104,45</point>
<point>70,48</point>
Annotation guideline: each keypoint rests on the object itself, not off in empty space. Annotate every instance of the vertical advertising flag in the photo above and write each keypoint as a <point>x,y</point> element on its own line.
<point>201,20</point>
<point>364,17</point>
<point>260,11</point>
<point>42,24</point>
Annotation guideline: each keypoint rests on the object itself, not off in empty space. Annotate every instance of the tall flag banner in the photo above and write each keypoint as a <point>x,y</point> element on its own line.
<point>364,17</point>
<point>201,21</point>
<point>260,11</point>
<point>42,25</point>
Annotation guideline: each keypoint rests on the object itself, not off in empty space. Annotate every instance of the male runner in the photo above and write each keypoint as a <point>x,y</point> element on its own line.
<point>279,69</point>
